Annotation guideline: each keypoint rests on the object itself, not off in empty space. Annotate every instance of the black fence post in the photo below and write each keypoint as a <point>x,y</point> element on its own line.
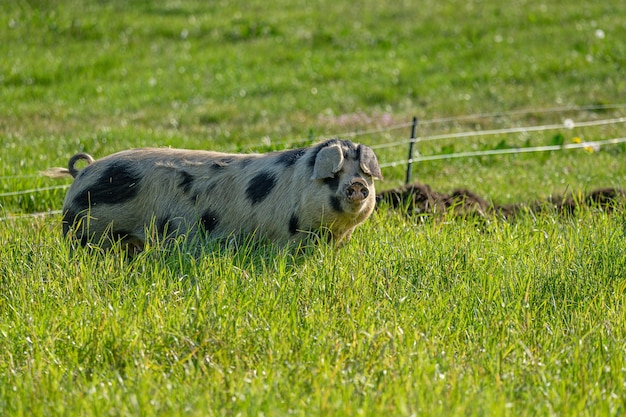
<point>409,166</point>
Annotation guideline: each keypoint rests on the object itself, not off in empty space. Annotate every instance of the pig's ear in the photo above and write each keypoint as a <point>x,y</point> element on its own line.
<point>328,162</point>
<point>369,162</point>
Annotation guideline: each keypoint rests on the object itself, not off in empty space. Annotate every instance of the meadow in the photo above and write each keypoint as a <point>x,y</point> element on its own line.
<point>417,315</point>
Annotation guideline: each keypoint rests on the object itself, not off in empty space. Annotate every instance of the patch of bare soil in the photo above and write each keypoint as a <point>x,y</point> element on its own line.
<point>416,199</point>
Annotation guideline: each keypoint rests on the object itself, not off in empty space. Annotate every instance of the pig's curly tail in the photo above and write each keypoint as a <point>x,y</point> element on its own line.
<point>78,157</point>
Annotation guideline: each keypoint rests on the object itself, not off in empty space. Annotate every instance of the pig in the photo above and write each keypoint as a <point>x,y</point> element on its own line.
<point>284,197</point>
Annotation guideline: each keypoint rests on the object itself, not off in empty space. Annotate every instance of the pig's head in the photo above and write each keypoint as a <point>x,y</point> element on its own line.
<point>349,170</point>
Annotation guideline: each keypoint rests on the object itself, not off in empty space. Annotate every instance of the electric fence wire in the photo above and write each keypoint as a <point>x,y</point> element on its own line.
<point>568,123</point>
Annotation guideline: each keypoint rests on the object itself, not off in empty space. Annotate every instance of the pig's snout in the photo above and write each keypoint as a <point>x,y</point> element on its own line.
<point>357,191</point>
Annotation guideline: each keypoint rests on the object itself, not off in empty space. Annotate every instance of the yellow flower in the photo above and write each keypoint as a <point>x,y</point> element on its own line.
<point>590,148</point>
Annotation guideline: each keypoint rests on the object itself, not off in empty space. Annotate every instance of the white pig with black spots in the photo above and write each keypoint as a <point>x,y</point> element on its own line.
<point>283,196</point>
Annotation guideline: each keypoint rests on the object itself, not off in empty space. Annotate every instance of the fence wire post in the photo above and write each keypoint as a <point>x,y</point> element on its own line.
<point>411,144</point>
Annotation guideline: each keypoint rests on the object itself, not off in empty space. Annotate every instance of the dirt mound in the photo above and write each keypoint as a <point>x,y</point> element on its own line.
<point>419,198</point>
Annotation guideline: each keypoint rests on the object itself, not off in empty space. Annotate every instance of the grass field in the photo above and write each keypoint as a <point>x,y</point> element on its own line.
<point>415,316</point>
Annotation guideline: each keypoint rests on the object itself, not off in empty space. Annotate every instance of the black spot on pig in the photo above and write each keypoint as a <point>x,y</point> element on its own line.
<point>332,182</point>
<point>335,203</point>
<point>209,221</point>
<point>294,224</point>
<point>162,226</point>
<point>69,217</point>
<point>290,157</point>
<point>117,184</point>
<point>118,235</point>
<point>260,187</point>
<point>186,181</point>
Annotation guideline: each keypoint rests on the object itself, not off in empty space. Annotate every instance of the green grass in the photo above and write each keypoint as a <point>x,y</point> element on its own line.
<point>451,317</point>
<point>425,316</point>
<point>102,77</point>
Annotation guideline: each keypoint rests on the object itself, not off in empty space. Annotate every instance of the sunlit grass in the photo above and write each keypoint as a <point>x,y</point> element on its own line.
<point>411,317</point>
<point>415,316</point>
